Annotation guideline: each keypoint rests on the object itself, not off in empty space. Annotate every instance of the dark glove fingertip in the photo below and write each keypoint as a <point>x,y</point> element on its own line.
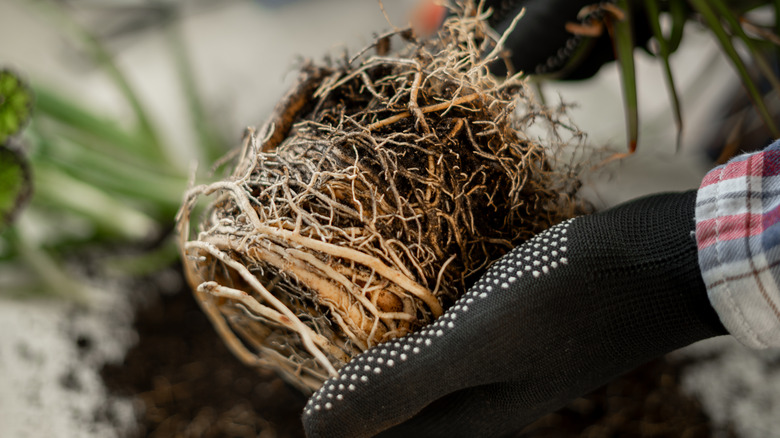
<point>538,36</point>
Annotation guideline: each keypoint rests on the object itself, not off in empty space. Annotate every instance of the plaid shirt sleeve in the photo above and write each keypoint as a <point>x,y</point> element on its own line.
<point>738,236</point>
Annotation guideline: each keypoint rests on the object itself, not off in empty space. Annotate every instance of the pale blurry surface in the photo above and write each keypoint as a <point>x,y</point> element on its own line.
<point>244,54</point>
<point>49,387</point>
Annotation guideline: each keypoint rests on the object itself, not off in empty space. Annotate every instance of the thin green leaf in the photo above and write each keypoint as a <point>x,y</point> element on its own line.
<point>713,22</point>
<point>107,133</point>
<point>758,57</point>
<point>539,91</point>
<point>623,41</point>
<point>107,214</point>
<point>16,103</point>
<point>742,6</point>
<point>678,11</point>
<point>159,193</point>
<point>104,59</point>
<point>777,21</point>
<point>777,26</point>
<point>653,14</point>
<point>15,185</point>
<point>209,142</point>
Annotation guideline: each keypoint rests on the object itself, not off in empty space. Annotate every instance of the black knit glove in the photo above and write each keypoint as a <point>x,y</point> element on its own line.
<point>541,44</point>
<point>557,317</point>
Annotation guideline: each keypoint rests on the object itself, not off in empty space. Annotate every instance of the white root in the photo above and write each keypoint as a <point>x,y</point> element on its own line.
<point>240,197</point>
<point>306,334</point>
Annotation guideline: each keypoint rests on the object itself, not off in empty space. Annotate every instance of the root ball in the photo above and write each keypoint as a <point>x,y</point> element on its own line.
<point>381,188</point>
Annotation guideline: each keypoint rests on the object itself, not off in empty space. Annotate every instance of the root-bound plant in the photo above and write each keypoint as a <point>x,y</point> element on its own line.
<point>378,192</point>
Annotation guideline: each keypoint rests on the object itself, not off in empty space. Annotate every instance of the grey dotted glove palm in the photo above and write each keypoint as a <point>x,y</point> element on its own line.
<point>558,316</point>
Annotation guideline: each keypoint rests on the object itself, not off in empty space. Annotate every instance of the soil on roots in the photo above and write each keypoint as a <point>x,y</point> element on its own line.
<point>187,384</point>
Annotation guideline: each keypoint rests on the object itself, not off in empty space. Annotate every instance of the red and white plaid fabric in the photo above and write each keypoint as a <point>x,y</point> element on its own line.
<point>738,235</point>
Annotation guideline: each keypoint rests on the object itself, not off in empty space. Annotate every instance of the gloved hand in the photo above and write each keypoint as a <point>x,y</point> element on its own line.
<point>541,44</point>
<point>558,316</point>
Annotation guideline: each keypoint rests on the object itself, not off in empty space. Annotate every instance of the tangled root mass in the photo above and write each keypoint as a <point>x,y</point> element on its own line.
<point>380,189</point>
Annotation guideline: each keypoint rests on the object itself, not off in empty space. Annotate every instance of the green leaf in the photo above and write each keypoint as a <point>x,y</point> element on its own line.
<point>106,133</point>
<point>776,28</point>
<point>15,185</point>
<point>623,40</point>
<point>678,10</point>
<point>758,58</point>
<point>713,21</point>
<point>208,138</point>
<point>653,14</point>
<point>151,146</point>
<point>159,193</point>
<point>15,105</point>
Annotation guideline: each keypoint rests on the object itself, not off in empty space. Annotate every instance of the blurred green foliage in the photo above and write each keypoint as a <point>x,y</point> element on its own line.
<point>97,180</point>
<point>15,105</point>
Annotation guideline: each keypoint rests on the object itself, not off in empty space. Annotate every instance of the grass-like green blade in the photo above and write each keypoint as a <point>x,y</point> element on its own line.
<point>210,145</point>
<point>757,56</point>
<point>777,20</point>
<point>623,40</point>
<point>653,14</point>
<point>157,193</point>
<point>110,217</point>
<point>69,114</point>
<point>714,23</point>
<point>152,146</point>
<point>741,6</point>
<point>678,11</point>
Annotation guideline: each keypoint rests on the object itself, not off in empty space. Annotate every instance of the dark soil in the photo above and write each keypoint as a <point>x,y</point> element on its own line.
<point>647,402</point>
<point>187,384</point>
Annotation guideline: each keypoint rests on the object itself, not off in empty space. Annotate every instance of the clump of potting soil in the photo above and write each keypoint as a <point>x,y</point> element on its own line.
<point>380,189</point>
